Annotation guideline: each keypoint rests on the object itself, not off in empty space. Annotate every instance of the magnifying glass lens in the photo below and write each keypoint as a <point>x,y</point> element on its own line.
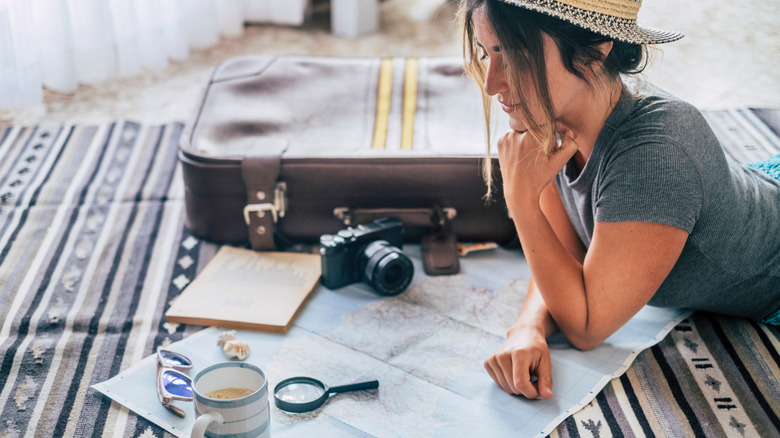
<point>303,394</point>
<point>300,392</point>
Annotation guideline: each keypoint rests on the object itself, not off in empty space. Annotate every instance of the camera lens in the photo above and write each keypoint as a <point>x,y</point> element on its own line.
<point>387,269</point>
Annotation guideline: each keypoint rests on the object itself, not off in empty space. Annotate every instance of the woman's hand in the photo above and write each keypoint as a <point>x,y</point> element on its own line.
<point>522,364</point>
<point>526,169</point>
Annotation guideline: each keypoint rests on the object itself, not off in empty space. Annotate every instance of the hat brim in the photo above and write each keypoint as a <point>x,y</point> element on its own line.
<point>616,28</point>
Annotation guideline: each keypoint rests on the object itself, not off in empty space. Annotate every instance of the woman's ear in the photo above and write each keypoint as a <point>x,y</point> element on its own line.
<point>605,48</point>
<point>596,65</point>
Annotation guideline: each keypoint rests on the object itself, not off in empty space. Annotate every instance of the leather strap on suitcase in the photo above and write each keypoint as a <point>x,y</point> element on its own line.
<point>266,196</point>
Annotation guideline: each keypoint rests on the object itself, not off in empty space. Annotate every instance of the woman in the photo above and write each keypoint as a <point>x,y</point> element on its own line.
<point>621,195</point>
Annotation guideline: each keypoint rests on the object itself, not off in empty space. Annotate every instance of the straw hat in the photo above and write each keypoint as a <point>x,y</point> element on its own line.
<point>613,18</point>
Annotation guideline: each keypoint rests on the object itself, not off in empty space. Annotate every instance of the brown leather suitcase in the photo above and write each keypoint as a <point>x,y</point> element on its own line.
<point>283,149</point>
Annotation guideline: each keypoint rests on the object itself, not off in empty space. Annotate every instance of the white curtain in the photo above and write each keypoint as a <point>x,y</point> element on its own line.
<point>58,44</point>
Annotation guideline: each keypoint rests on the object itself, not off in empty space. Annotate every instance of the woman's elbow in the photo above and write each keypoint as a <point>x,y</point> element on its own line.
<point>583,340</point>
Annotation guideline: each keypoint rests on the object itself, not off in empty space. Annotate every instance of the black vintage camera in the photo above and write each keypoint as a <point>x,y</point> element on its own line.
<point>368,252</point>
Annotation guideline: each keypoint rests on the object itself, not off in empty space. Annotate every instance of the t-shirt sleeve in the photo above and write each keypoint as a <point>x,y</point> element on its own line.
<point>652,182</point>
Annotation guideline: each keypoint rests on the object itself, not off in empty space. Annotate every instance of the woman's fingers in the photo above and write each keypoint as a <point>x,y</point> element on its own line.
<point>567,147</point>
<point>497,374</point>
<point>544,382</point>
<point>522,379</point>
<point>525,166</point>
<point>514,375</point>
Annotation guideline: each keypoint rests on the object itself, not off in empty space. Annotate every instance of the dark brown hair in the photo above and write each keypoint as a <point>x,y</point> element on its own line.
<point>519,32</point>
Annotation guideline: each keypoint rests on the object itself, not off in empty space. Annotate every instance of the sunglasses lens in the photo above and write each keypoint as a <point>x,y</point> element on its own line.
<point>177,384</point>
<point>174,359</point>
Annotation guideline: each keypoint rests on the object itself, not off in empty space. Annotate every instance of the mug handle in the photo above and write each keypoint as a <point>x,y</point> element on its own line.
<point>203,422</point>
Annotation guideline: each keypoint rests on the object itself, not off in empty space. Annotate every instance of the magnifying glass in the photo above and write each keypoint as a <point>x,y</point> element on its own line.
<point>304,394</point>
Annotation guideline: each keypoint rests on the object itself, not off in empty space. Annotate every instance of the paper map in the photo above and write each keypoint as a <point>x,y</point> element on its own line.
<point>426,347</point>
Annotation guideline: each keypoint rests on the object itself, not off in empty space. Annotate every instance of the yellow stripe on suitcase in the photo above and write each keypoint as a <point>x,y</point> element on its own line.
<point>385,91</point>
<point>410,104</point>
<point>384,101</point>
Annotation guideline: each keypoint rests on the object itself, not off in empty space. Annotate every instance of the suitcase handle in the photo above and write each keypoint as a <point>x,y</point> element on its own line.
<point>439,248</point>
<point>415,217</point>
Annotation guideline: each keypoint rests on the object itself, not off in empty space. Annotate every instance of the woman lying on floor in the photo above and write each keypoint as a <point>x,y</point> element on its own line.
<point>621,194</point>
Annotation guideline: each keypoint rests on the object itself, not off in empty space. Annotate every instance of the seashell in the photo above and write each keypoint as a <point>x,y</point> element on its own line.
<point>236,349</point>
<point>225,336</point>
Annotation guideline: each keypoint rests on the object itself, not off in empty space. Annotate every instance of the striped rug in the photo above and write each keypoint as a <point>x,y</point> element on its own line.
<point>93,249</point>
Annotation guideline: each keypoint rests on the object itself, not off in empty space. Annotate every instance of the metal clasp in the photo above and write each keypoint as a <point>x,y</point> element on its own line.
<point>278,208</point>
<point>343,214</point>
<point>450,213</point>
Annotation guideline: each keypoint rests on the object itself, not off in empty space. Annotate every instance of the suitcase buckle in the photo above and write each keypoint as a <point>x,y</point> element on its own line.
<point>278,208</point>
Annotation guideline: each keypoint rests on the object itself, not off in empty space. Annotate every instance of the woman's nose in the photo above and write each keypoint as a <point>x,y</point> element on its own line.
<point>495,79</point>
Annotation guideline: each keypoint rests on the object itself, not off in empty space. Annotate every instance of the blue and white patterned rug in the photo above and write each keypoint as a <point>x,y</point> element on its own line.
<point>93,248</point>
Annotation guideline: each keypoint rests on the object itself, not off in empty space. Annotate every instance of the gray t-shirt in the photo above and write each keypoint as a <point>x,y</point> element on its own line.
<point>657,160</point>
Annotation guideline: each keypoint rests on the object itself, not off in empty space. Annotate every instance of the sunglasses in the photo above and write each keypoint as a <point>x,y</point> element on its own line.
<point>172,383</point>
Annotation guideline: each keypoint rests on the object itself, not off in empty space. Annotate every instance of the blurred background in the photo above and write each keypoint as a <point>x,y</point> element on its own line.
<point>90,61</point>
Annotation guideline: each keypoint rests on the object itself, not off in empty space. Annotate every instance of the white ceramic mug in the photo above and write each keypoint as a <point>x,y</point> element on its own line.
<point>248,416</point>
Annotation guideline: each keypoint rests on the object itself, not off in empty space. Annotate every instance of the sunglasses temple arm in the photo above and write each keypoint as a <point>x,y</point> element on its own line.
<point>176,410</point>
<point>373,384</point>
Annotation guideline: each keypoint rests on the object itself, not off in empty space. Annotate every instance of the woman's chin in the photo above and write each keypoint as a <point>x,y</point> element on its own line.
<point>517,125</point>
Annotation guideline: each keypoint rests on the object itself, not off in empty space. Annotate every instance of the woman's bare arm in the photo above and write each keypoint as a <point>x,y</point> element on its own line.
<point>525,353</point>
<point>624,265</point>
<point>534,311</point>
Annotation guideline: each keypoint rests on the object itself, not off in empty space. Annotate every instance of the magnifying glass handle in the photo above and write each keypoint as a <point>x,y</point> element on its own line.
<point>373,384</point>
